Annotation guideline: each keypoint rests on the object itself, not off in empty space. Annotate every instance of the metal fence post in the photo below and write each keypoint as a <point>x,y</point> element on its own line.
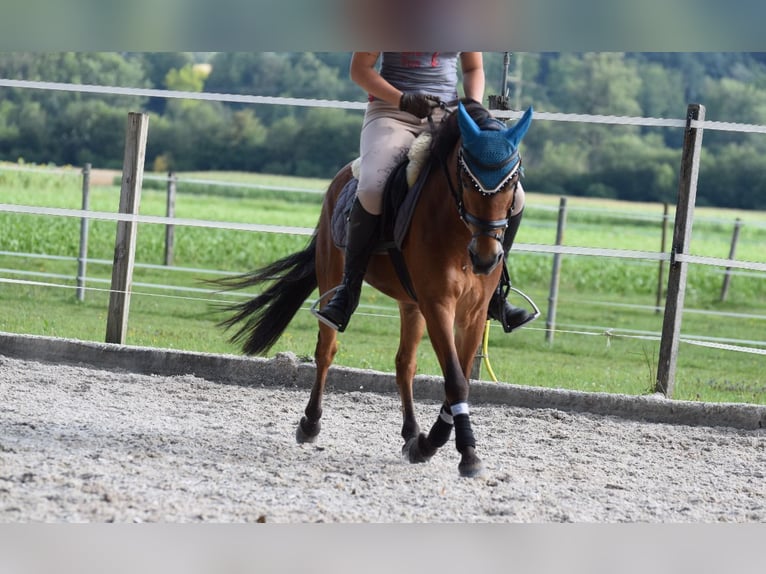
<point>82,258</point>
<point>732,254</point>
<point>170,211</point>
<point>550,322</point>
<point>682,230</point>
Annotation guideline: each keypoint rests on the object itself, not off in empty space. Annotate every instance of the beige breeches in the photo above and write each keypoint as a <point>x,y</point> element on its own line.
<point>387,135</point>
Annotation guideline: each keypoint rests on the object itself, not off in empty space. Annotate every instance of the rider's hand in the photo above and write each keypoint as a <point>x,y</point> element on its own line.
<point>419,105</point>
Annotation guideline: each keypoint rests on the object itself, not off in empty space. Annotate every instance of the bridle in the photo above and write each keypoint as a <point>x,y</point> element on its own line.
<point>484,227</point>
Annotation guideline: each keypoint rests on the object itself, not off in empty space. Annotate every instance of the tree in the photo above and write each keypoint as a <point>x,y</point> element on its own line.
<point>51,124</point>
<point>737,102</point>
<point>90,131</point>
<point>733,176</point>
<point>636,168</point>
<point>185,79</point>
<point>156,66</point>
<point>563,158</point>
<point>102,68</point>
<point>9,130</point>
<point>256,73</point>
<point>595,83</point>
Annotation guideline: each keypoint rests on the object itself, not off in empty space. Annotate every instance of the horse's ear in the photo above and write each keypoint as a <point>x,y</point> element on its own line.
<point>469,130</point>
<point>515,133</point>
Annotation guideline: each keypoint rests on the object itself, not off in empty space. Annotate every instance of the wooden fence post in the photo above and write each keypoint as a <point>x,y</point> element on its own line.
<point>125,240</point>
<point>476,365</point>
<point>82,258</point>
<point>170,211</point>
<point>550,322</point>
<point>682,230</point>
<point>732,254</point>
<point>663,248</point>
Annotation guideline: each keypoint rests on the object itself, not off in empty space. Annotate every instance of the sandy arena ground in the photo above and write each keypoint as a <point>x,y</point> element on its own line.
<point>80,444</point>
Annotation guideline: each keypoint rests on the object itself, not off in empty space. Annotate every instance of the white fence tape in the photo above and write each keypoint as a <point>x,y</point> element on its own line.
<point>109,216</point>
<point>249,99</point>
<point>338,104</point>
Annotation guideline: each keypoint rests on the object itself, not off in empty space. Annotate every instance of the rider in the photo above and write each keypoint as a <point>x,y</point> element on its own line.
<point>407,90</point>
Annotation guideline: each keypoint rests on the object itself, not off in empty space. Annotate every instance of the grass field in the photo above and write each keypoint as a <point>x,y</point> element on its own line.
<point>597,295</point>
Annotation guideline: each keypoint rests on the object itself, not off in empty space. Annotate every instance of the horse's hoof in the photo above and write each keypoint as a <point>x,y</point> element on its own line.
<point>473,468</point>
<point>307,432</point>
<point>412,451</point>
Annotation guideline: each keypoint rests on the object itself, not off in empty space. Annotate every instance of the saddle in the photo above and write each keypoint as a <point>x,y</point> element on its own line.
<point>400,197</point>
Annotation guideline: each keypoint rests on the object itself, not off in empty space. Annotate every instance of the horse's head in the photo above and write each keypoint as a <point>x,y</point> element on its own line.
<point>489,167</point>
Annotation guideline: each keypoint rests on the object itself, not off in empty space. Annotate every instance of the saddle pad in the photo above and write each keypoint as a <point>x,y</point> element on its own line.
<point>399,203</point>
<point>340,215</point>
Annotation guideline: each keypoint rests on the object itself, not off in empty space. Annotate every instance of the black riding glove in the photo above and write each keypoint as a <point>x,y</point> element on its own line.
<point>419,105</point>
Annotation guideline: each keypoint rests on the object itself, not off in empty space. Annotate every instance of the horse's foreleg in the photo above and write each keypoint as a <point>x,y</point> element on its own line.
<point>456,390</point>
<point>454,413</point>
<point>468,335</point>
<point>468,338</point>
<point>410,334</point>
<point>326,347</point>
<point>421,447</point>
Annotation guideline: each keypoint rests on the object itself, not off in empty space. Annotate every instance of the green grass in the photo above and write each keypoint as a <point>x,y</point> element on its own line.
<point>596,294</point>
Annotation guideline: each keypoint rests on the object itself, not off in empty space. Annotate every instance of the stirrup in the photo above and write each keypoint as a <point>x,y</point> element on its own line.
<point>528,299</point>
<point>315,307</point>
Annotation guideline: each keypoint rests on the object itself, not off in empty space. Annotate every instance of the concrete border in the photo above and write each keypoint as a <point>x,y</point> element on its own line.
<point>285,370</point>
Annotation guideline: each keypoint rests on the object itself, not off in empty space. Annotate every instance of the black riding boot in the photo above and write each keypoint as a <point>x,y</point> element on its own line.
<point>510,317</point>
<point>361,240</point>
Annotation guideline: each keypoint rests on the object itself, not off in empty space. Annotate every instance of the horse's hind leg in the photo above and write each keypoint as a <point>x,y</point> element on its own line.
<point>411,332</point>
<point>327,346</point>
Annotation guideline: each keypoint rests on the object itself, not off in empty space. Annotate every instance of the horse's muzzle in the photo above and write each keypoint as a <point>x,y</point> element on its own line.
<point>484,264</point>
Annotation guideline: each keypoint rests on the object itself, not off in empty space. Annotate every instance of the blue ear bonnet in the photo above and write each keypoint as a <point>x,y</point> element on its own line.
<point>490,152</point>
<point>491,159</point>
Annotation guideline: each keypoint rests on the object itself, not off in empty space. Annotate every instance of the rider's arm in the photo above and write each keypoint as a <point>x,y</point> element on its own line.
<point>472,66</point>
<point>364,74</point>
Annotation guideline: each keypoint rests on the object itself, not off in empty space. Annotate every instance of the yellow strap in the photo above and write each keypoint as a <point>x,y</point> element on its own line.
<point>485,352</point>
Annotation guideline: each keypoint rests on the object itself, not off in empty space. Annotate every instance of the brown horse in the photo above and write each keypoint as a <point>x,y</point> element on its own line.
<point>453,252</point>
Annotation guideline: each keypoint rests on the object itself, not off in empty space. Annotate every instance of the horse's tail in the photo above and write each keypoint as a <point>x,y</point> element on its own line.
<point>265,317</point>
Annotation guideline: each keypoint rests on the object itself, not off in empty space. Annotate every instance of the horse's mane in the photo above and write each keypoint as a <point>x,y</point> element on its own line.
<point>448,133</point>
